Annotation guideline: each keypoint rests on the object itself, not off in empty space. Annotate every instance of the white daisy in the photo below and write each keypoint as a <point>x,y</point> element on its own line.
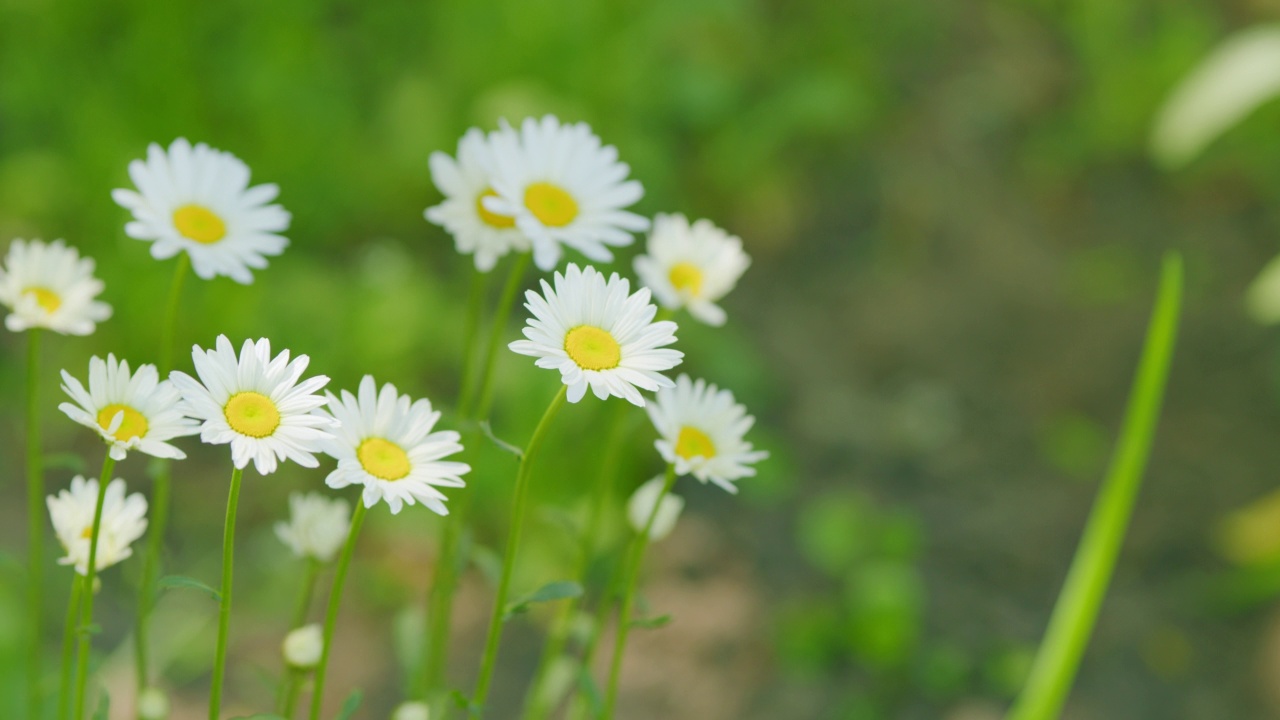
<point>384,442</point>
<point>255,403</point>
<point>640,506</point>
<point>130,412</point>
<point>317,526</point>
<point>123,521</point>
<point>702,429</point>
<point>198,199</point>
<point>50,286</point>
<point>598,333</point>
<point>563,187</point>
<point>691,266</point>
<point>465,183</point>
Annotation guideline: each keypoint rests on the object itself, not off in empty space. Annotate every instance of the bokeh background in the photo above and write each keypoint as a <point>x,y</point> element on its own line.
<point>955,226</point>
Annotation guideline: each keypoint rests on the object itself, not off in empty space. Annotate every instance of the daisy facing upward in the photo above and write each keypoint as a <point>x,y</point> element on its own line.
<point>50,286</point>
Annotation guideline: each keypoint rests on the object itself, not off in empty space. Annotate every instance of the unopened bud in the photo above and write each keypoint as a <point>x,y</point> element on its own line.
<point>153,704</point>
<point>412,711</point>
<point>302,647</point>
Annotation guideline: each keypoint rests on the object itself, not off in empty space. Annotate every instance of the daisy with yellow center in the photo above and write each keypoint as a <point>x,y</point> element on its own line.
<point>600,335</point>
<point>691,266</point>
<point>562,186</point>
<point>701,429</point>
<point>123,521</point>
<point>50,286</point>
<point>131,411</point>
<point>198,200</point>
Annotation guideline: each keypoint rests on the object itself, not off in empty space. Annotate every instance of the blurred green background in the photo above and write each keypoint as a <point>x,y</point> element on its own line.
<point>955,228</point>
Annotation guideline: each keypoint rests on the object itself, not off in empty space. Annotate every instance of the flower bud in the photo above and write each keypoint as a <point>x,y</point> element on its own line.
<point>302,647</point>
<point>153,704</point>
<point>640,506</point>
<point>412,711</point>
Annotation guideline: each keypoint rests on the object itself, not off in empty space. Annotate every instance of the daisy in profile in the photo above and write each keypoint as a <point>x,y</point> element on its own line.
<point>255,403</point>
<point>641,506</point>
<point>465,183</point>
<point>50,286</point>
<point>124,519</point>
<point>317,526</point>
<point>384,442</point>
<point>599,334</point>
<point>701,431</point>
<point>563,187</point>
<point>691,266</point>
<point>198,200</point>
<point>137,411</point>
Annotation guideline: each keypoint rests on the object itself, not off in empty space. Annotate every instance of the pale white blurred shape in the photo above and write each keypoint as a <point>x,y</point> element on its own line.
<point>153,704</point>
<point>1262,299</point>
<point>412,711</point>
<point>640,506</point>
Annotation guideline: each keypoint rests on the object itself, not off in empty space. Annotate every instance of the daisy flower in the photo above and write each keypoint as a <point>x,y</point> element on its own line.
<point>136,411</point>
<point>198,200</point>
<point>691,266</point>
<point>640,507</point>
<point>598,333</point>
<point>123,521</point>
<point>317,526</point>
<point>255,403</point>
<point>50,286</point>
<point>702,429</point>
<point>465,183</point>
<point>563,187</point>
<point>384,442</point>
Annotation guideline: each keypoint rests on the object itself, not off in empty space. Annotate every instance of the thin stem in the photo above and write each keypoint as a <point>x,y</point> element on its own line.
<point>331,613</point>
<point>169,328</point>
<point>289,680</point>
<point>68,647</point>
<point>224,604</point>
<point>505,303</point>
<point>82,662</point>
<point>35,519</point>
<point>293,690</point>
<point>513,543</point>
<point>634,560</point>
<point>471,331</point>
<point>440,600</point>
<point>1058,658</point>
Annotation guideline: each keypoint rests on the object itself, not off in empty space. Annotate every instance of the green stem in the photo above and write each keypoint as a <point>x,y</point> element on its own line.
<point>68,647</point>
<point>471,331</point>
<point>289,680</point>
<point>634,560</point>
<point>513,543</point>
<point>35,518</point>
<point>293,689</point>
<point>1058,658</point>
<point>331,613</point>
<point>169,328</point>
<point>514,280</point>
<point>86,614</point>
<point>224,603</point>
<point>440,600</point>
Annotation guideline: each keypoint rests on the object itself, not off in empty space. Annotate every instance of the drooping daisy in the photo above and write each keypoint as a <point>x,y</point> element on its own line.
<point>598,333</point>
<point>384,442</point>
<point>317,526</point>
<point>701,430</point>
<point>691,266</point>
<point>255,403</point>
<point>50,286</point>
<point>198,200</point>
<point>123,521</point>
<point>465,183</point>
<point>640,506</point>
<point>563,186</point>
<point>136,411</point>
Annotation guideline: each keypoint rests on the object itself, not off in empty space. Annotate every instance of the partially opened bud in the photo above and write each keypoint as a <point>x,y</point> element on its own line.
<point>641,505</point>
<point>302,647</point>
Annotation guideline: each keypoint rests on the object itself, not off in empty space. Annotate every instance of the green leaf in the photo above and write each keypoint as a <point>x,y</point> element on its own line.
<point>652,623</point>
<point>558,590</point>
<point>502,444</point>
<point>350,705</point>
<point>464,703</point>
<point>169,582</point>
<point>591,691</point>
<point>91,629</point>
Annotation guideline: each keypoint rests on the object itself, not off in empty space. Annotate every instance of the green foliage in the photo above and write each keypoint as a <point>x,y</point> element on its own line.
<point>182,581</point>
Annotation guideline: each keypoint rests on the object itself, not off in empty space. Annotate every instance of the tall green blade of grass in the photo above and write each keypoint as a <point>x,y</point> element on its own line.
<point>1073,618</point>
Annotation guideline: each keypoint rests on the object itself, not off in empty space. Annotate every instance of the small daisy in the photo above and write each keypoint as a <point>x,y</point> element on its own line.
<point>123,521</point>
<point>317,526</point>
<point>384,442</point>
<point>465,183</point>
<point>255,403</point>
<point>691,266</point>
<point>50,286</point>
<point>702,429</point>
<point>598,333</point>
<point>198,199</point>
<point>640,507</point>
<point>131,412</point>
<point>563,187</point>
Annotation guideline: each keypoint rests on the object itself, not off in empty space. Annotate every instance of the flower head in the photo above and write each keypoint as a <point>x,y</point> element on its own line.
<point>123,521</point>
<point>137,411</point>
<point>153,704</point>
<point>412,711</point>
<point>598,334</point>
<point>50,286</point>
<point>701,430</point>
<point>198,200</point>
<point>303,646</point>
<point>317,526</point>
<point>640,507</point>
<point>563,187</point>
<point>384,442</point>
<point>255,403</point>
<point>691,266</point>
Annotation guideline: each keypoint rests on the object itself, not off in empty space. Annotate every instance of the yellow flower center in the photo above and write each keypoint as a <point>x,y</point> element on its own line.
<point>383,459</point>
<point>686,276</point>
<point>199,223</point>
<point>87,532</point>
<point>693,443</point>
<point>45,297</point>
<point>592,348</point>
<point>252,414</point>
<point>492,219</point>
<point>551,204</point>
<point>133,426</point>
